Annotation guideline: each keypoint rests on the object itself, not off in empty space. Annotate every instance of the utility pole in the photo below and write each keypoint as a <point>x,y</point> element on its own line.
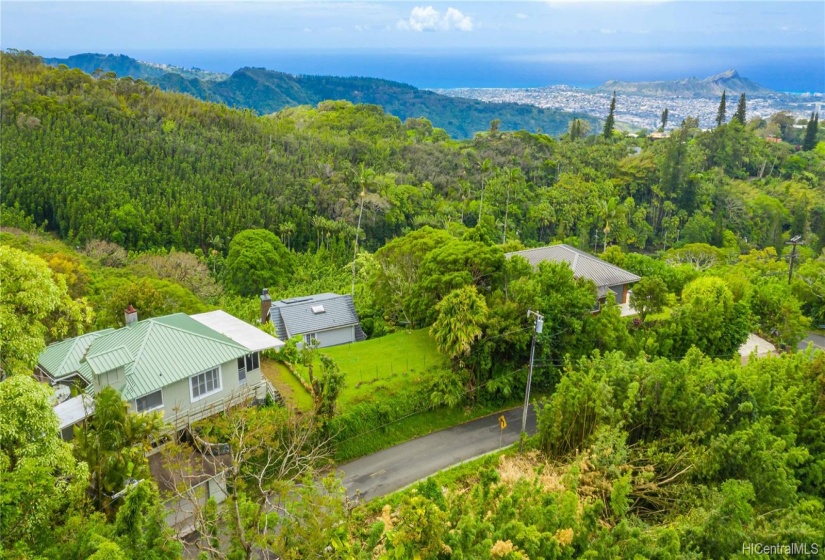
<point>796,239</point>
<point>537,328</point>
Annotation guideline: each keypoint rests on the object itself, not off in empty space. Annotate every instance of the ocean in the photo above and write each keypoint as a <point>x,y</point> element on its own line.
<point>790,70</point>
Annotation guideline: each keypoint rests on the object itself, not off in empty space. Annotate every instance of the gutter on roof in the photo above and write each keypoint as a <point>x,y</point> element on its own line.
<point>329,329</point>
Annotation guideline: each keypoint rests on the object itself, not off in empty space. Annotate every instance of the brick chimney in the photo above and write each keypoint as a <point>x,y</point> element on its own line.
<point>131,315</point>
<point>266,303</point>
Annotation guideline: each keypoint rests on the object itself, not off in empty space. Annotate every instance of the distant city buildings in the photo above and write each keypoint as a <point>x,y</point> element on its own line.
<point>641,112</point>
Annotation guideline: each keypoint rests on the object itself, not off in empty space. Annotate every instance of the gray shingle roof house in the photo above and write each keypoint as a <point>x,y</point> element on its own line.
<point>606,276</point>
<point>329,319</point>
<point>180,365</point>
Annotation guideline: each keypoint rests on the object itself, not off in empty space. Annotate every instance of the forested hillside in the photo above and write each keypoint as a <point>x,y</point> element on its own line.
<point>125,66</point>
<point>121,160</point>
<point>266,91</point>
<point>653,440</point>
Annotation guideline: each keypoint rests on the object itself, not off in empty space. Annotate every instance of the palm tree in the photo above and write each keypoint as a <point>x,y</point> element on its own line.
<point>608,209</point>
<point>287,230</point>
<point>357,231</point>
<point>512,176</point>
<point>486,167</point>
<point>461,315</point>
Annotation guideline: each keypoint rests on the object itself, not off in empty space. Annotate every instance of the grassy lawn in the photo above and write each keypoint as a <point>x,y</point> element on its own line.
<point>286,384</point>
<point>376,370</point>
<point>381,366</point>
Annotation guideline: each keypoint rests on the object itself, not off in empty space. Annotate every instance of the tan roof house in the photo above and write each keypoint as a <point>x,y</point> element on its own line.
<point>607,277</point>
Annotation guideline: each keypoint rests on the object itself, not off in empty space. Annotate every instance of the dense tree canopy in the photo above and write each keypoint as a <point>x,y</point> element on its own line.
<point>104,158</point>
<point>40,478</point>
<point>35,307</point>
<point>652,438</point>
<point>257,259</point>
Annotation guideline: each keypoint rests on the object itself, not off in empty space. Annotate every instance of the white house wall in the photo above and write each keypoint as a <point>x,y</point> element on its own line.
<point>334,337</point>
<point>177,396</point>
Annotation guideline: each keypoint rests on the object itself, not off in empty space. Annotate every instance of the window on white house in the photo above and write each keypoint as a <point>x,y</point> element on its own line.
<point>252,361</point>
<point>241,371</point>
<point>205,384</point>
<point>310,338</point>
<point>152,401</point>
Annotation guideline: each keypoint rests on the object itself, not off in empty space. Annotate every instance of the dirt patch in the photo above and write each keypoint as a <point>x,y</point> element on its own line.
<point>515,467</point>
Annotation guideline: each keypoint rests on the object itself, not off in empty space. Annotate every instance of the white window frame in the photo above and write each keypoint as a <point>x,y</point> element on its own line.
<point>310,338</point>
<point>218,389</point>
<point>252,359</point>
<point>149,409</point>
<point>242,368</point>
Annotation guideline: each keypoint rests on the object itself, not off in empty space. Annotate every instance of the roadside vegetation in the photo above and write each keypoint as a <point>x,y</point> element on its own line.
<point>653,440</point>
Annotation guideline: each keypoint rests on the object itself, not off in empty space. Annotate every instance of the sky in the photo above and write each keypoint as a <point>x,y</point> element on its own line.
<point>565,32</point>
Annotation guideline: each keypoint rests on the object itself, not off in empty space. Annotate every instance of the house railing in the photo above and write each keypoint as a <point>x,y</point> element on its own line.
<point>184,419</point>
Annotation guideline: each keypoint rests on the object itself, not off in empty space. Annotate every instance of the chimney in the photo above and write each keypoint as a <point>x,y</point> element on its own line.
<point>131,315</point>
<point>266,303</point>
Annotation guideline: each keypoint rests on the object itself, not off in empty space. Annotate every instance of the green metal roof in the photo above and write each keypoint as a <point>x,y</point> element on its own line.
<point>63,358</point>
<point>154,353</point>
<point>163,350</point>
<point>86,373</point>
<point>109,359</point>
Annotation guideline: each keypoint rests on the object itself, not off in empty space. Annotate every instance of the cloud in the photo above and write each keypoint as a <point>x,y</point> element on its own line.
<point>605,31</point>
<point>521,16</point>
<point>430,19</point>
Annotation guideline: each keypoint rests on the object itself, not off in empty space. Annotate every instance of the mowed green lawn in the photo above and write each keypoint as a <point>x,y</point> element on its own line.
<point>382,366</point>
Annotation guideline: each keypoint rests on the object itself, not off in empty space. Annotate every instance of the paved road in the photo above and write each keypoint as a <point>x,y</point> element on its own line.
<point>817,339</point>
<point>394,468</point>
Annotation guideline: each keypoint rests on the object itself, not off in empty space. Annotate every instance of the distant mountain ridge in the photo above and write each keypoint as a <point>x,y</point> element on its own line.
<point>123,65</point>
<point>712,86</point>
<point>268,91</point>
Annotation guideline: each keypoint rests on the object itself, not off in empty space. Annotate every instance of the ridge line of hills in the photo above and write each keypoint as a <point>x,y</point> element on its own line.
<point>712,86</point>
<point>267,91</point>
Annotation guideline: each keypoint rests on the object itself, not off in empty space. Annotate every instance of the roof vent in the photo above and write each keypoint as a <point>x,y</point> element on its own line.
<point>318,309</point>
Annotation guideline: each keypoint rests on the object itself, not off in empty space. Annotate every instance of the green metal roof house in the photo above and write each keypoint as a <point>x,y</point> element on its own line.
<point>181,365</point>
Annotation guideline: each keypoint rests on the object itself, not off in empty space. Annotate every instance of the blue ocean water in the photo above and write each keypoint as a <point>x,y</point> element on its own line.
<point>792,70</point>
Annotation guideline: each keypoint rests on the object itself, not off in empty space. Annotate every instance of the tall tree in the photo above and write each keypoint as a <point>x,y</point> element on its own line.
<point>35,308</point>
<point>610,122</point>
<point>460,318</point>
<point>649,296</point>
<point>112,444</point>
<point>257,259</point>
<point>40,479</point>
<point>710,319</point>
<point>608,209</point>
<point>741,114</point>
<point>578,128</point>
<point>274,502</point>
<point>720,114</point>
<point>665,114</point>
<point>810,133</point>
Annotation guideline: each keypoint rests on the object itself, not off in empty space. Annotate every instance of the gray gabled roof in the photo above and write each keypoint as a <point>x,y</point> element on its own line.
<point>584,265</point>
<point>296,316</point>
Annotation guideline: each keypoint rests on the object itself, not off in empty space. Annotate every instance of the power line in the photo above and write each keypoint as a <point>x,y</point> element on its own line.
<point>556,362</point>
